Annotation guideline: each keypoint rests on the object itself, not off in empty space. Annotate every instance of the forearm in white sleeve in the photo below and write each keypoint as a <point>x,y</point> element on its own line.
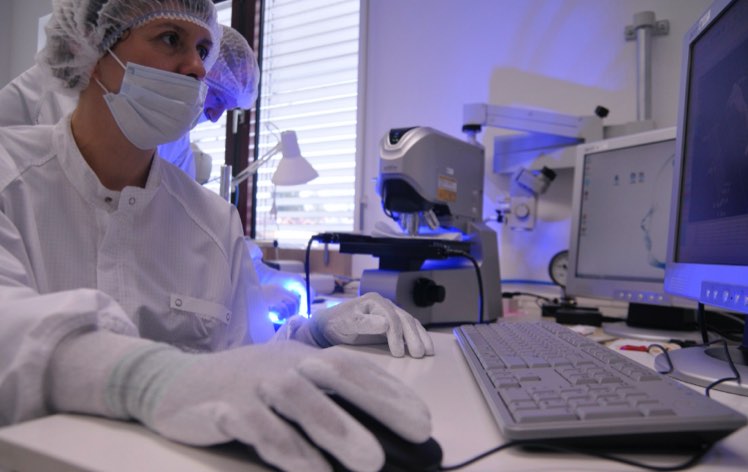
<point>96,372</point>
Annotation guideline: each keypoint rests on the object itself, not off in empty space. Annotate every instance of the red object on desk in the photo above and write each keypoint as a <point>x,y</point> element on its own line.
<point>631,347</point>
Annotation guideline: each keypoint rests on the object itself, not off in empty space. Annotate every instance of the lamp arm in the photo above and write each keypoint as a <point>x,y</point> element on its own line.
<point>253,166</point>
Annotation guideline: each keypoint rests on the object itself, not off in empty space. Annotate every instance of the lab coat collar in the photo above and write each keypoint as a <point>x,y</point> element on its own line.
<point>87,183</point>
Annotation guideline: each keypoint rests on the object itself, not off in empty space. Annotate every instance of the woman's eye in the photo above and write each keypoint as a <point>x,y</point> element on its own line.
<point>203,51</point>
<point>170,39</point>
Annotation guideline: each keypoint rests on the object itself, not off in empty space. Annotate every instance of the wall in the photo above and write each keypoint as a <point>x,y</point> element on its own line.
<point>426,58</point>
<point>18,29</point>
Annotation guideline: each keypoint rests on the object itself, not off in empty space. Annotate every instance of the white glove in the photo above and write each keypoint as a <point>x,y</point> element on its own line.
<point>249,394</point>
<point>368,319</point>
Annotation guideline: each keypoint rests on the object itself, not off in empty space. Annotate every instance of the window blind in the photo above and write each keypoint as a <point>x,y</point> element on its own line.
<point>309,85</point>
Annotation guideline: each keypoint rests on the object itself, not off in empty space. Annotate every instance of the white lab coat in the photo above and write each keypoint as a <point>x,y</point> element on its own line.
<point>26,101</point>
<point>166,262</point>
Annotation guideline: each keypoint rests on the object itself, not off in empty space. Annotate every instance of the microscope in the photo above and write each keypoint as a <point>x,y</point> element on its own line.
<point>444,267</point>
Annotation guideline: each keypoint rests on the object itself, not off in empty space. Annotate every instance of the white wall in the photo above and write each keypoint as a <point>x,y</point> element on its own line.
<point>18,30</point>
<point>426,58</point>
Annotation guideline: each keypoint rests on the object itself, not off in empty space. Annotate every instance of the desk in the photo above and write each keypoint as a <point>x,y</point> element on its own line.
<point>461,420</point>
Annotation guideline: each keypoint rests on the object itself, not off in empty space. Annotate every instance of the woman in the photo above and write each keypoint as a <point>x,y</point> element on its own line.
<point>102,316</point>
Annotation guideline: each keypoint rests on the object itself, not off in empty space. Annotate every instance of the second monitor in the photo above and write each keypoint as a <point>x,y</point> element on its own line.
<point>620,217</point>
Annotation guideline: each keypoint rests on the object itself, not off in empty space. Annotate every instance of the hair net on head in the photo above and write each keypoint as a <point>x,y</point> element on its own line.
<point>236,73</point>
<point>80,32</point>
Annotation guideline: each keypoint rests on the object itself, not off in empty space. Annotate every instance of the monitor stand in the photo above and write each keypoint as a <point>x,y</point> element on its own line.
<point>656,323</point>
<point>703,365</point>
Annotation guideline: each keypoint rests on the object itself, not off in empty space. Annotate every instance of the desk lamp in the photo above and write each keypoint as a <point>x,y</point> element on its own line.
<point>293,168</point>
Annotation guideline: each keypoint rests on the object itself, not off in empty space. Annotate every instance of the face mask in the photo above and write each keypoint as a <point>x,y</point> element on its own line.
<point>154,106</point>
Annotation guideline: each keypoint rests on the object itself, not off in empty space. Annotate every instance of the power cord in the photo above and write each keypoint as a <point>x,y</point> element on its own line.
<point>690,462</point>
<point>468,256</point>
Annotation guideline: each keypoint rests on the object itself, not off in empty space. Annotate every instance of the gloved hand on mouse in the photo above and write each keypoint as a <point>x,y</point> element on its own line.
<point>368,319</point>
<point>249,394</point>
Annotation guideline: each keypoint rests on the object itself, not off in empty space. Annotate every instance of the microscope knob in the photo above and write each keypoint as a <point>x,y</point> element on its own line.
<point>426,292</point>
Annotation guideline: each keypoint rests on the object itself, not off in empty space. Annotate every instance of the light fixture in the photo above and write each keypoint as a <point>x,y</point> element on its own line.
<point>293,168</point>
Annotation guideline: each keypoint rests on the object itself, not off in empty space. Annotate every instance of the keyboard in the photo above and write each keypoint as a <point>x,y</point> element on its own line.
<point>546,383</point>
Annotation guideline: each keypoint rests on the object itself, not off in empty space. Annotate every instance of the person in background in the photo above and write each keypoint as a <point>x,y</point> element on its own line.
<point>102,315</point>
<point>30,99</point>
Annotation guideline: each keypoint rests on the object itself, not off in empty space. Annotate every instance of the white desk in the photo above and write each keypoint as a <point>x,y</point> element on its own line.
<point>462,425</point>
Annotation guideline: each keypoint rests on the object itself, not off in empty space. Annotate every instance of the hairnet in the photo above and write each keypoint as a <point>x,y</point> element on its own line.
<point>235,73</point>
<point>80,32</point>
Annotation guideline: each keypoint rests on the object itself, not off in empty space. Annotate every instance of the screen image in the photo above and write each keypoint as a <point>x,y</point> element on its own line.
<point>713,216</point>
<point>625,211</point>
<point>620,218</point>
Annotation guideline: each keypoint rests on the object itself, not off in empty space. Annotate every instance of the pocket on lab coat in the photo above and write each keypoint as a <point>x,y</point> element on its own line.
<point>192,324</point>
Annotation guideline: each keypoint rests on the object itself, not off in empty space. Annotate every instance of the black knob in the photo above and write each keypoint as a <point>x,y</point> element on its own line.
<point>601,111</point>
<point>426,292</point>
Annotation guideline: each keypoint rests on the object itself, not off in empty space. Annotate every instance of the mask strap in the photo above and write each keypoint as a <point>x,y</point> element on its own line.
<point>101,85</point>
<point>116,58</point>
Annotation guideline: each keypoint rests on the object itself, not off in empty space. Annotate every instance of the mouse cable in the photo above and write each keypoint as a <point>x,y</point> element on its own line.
<point>690,462</point>
<point>466,255</point>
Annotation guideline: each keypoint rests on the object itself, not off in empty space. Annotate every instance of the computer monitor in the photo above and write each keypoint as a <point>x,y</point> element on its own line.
<point>620,214</point>
<point>707,257</point>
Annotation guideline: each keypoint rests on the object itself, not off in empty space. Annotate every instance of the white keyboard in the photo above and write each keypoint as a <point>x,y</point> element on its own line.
<point>544,382</point>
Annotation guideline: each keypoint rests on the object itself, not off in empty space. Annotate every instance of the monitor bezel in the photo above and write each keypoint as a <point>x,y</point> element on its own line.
<point>710,284</point>
<point>622,290</point>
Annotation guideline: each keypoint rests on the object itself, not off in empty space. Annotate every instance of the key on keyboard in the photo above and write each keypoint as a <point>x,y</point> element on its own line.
<point>544,382</point>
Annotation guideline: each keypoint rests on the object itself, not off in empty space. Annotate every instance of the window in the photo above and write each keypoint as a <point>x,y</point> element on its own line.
<point>309,85</point>
<point>309,62</point>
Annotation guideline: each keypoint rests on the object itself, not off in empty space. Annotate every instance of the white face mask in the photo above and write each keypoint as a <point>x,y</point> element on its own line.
<point>154,106</point>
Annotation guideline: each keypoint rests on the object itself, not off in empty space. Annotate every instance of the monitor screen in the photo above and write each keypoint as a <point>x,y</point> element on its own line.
<point>620,217</point>
<point>708,255</point>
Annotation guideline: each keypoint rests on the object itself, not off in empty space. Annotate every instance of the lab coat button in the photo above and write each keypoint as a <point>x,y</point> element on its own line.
<point>228,317</point>
<point>132,201</point>
<point>178,302</point>
<point>108,199</point>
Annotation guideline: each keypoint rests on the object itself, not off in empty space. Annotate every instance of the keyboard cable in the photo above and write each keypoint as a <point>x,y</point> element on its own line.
<point>690,462</point>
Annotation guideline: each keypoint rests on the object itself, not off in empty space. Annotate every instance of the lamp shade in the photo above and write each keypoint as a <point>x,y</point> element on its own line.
<point>292,169</point>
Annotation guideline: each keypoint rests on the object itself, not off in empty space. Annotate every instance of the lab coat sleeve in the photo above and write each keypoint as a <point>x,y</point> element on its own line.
<point>247,290</point>
<point>33,324</point>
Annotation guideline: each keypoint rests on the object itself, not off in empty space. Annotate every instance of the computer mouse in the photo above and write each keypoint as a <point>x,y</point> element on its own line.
<point>401,455</point>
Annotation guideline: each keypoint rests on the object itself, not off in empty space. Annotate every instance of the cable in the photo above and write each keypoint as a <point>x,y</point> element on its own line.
<point>736,378</point>
<point>528,282</point>
<point>702,323</point>
<point>528,294</point>
<point>693,460</point>
<point>454,252</point>
<point>308,277</point>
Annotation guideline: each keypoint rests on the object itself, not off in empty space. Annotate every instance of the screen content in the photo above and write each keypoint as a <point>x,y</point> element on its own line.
<point>625,211</point>
<point>713,218</point>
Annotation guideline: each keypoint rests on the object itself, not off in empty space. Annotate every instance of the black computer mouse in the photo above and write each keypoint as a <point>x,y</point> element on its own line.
<point>401,455</point>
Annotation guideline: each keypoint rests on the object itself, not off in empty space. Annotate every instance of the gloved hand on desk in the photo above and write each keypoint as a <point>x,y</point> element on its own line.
<point>249,394</point>
<point>368,319</point>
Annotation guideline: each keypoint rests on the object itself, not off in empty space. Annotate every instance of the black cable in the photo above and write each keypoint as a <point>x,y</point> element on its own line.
<point>736,378</point>
<point>528,294</point>
<point>702,322</point>
<point>693,460</point>
<point>469,257</point>
<point>308,281</point>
